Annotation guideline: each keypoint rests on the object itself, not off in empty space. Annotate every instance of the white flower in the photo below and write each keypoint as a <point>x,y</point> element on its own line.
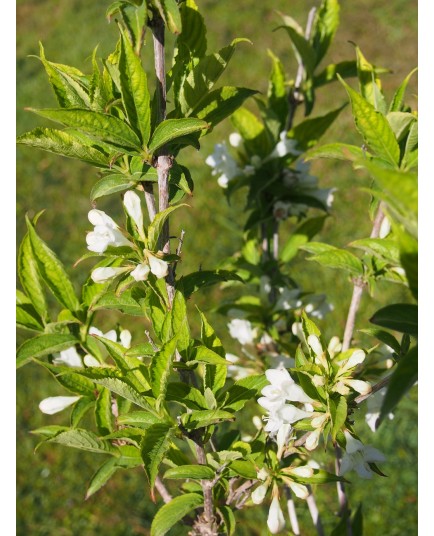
<point>69,358</point>
<point>242,331</point>
<point>358,456</point>
<point>282,387</point>
<point>258,495</point>
<point>104,274</point>
<point>106,233</point>
<point>324,195</point>
<point>235,139</point>
<point>141,272</point>
<point>134,209</point>
<point>54,404</point>
<point>91,361</point>
<point>158,267</point>
<point>374,403</point>
<point>317,307</point>
<point>110,335</point>
<point>282,438</point>
<point>284,146</point>
<point>288,299</point>
<point>223,164</point>
<point>281,210</point>
<point>275,521</point>
<point>385,227</point>
<point>125,338</point>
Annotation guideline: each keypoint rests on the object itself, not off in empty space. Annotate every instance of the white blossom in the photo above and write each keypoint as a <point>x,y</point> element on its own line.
<point>223,164</point>
<point>358,456</point>
<point>141,272</point>
<point>134,209</point>
<point>324,195</point>
<point>105,273</point>
<point>275,521</point>
<point>125,338</point>
<point>91,361</point>
<point>288,299</point>
<point>242,330</point>
<point>385,227</point>
<point>106,233</point>
<point>54,404</point>
<point>374,403</point>
<point>68,358</point>
<point>284,146</point>
<point>159,267</point>
<point>258,495</point>
<point>235,139</point>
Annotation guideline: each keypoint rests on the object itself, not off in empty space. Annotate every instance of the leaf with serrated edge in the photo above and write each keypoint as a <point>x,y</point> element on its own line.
<point>44,345</point>
<point>157,224</point>
<point>155,444</point>
<point>160,368</point>
<point>174,511</point>
<point>83,440</point>
<point>170,129</point>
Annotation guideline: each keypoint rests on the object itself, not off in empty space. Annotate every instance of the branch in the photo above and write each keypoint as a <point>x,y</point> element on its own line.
<point>162,490</point>
<point>314,513</point>
<point>206,525</point>
<point>344,510</point>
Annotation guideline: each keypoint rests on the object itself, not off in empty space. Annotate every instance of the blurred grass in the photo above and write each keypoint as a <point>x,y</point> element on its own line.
<point>51,483</point>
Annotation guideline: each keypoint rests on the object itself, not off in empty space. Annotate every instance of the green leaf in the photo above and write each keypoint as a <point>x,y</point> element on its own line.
<point>104,127</point>
<point>373,127</point>
<point>180,321</point>
<point>157,224</point>
<point>303,49</point>
<point>30,279</point>
<point>336,258</point>
<point>397,103</point>
<point>203,76</point>
<point>26,316</point>
<point>160,368</point>
<point>171,129</point>
<point>64,144</point>
<point>174,511</point>
<point>403,378</point>
<point>253,132</point>
<point>228,518</point>
<point>112,184</point>
<point>83,440</point>
<point>326,24</point>
<point>277,90</point>
<point>102,476</point>
<point>215,375</point>
<point>345,69</point>
<point>44,345</point>
<point>401,123</point>
<point>221,103</point>
<point>126,303</point>
<point>308,132</point>
<point>196,472</point>
<point>202,354</point>
<point>244,390</point>
<point>193,35</point>
<point>80,408</point>
<point>103,412</point>
<point>368,81</point>
<point>204,418</point>
<point>400,317</point>
<point>52,271</point>
<point>134,90</point>
<point>186,395</point>
<point>339,416</point>
<point>205,278</point>
<point>385,337</point>
<point>319,477</point>
<point>140,419</point>
<point>340,151</point>
<point>384,248</point>
<point>304,232</point>
<point>155,444</point>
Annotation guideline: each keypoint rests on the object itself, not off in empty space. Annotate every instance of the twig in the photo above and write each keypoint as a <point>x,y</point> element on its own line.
<point>209,521</point>
<point>291,512</point>
<point>162,490</point>
<point>148,189</point>
<point>314,513</point>
<point>344,510</point>
<point>178,250</point>
<point>382,383</point>
<point>151,342</point>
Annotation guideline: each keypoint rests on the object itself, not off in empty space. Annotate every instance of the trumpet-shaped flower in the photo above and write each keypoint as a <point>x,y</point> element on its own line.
<point>223,164</point>
<point>68,358</point>
<point>158,266</point>
<point>358,456</point>
<point>284,146</point>
<point>105,273</point>
<point>54,404</point>
<point>134,209</point>
<point>242,330</point>
<point>282,388</point>
<point>141,272</point>
<point>275,521</point>
<point>106,233</point>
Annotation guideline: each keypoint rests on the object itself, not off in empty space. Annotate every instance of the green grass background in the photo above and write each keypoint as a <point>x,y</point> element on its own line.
<point>51,483</point>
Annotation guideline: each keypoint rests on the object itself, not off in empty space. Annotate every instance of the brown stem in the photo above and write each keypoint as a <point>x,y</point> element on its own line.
<point>162,490</point>
<point>207,525</point>
<point>148,189</point>
<point>382,383</point>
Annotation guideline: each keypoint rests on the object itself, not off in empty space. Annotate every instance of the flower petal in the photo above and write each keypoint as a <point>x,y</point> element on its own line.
<point>54,404</point>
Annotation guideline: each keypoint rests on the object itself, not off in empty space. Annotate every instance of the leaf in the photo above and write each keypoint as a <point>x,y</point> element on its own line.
<point>126,303</point>
<point>140,419</point>
<point>26,316</point>
<point>173,512</point>
<point>304,51</point>
<point>196,472</point>
<point>397,103</point>
<point>345,69</point>
<point>340,151</point>
<point>304,232</point>
<point>215,375</point>
<point>228,518</point>
<point>44,345</point>
<point>337,258</point>
<point>308,132</point>
<point>193,35</point>
<point>134,90</point>
<point>252,131</point>
<point>80,408</point>
<point>400,123</point>
<point>202,354</point>
<point>83,440</point>
<point>205,278</point>
<point>221,103</point>
<point>157,224</point>
<point>384,248</point>
<point>170,129</point>
<point>339,417</point>
<point>325,27</point>
<point>103,412</point>
<point>104,127</point>
<point>203,76</point>
<point>155,444</point>
<point>242,391</point>
<point>52,271</point>
<point>373,127</point>
<point>203,418</point>
<point>30,279</point>
<point>277,91</point>
<point>102,476</point>
<point>400,317</point>
<point>385,337</point>
<point>64,144</point>
<point>160,368</point>
<point>186,395</point>
<point>112,184</point>
<point>180,321</point>
<point>403,378</point>
<point>369,83</point>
